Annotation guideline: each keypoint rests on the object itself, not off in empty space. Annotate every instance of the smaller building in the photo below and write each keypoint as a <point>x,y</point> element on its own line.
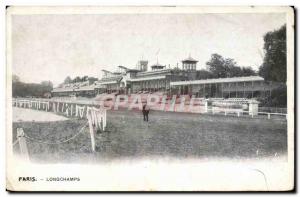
<point>157,66</point>
<point>84,89</point>
<point>189,64</point>
<point>142,65</point>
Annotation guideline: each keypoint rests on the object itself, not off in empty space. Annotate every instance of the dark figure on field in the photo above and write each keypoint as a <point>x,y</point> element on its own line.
<point>145,112</point>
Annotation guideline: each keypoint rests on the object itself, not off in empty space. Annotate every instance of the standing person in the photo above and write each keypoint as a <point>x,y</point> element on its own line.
<point>145,112</point>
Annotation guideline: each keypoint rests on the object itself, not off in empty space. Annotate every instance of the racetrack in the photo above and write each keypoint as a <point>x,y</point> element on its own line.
<point>167,134</point>
<point>25,115</point>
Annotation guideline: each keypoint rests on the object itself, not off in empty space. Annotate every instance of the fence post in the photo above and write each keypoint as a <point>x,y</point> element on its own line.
<point>269,115</point>
<point>172,103</point>
<point>22,144</point>
<point>206,105</point>
<point>253,107</point>
<point>54,107</point>
<point>57,107</point>
<point>76,110</point>
<point>63,107</point>
<point>104,120</point>
<point>92,132</point>
<point>182,103</point>
<point>67,109</point>
<point>71,109</point>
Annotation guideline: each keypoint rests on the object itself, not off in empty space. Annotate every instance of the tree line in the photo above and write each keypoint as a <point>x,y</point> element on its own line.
<point>220,67</point>
<point>21,89</point>
<point>273,67</point>
<point>77,79</point>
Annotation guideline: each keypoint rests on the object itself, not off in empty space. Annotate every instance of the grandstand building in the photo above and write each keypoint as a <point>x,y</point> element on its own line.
<point>162,78</point>
<point>238,87</point>
<point>85,89</point>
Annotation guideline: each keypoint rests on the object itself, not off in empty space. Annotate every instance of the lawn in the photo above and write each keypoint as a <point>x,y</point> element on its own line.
<point>166,134</point>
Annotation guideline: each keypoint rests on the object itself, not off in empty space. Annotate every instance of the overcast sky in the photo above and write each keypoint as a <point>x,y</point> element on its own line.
<point>51,47</point>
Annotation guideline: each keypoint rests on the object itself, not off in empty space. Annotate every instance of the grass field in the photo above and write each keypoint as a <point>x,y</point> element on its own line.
<point>166,134</point>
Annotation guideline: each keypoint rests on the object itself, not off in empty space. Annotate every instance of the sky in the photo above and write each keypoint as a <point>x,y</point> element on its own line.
<point>52,47</point>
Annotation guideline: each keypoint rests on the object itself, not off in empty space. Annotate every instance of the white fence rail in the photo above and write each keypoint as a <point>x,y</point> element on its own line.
<point>241,106</point>
<point>96,119</point>
<point>80,108</point>
<point>66,108</point>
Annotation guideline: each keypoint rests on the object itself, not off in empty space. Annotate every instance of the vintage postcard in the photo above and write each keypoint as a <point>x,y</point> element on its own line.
<point>150,98</point>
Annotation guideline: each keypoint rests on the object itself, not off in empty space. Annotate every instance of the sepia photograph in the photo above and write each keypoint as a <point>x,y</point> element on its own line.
<point>150,98</point>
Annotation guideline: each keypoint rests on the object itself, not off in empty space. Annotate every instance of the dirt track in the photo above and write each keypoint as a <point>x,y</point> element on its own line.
<point>25,115</point>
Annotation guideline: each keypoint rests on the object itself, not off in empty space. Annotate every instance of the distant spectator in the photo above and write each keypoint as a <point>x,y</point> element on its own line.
<point>145,112</point>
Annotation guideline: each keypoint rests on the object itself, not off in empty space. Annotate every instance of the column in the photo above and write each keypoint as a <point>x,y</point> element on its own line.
<point>252,90</point>
<point>236,89</point>
<point>222,89</point>
<point>244,88</point>
<point>206,105</point>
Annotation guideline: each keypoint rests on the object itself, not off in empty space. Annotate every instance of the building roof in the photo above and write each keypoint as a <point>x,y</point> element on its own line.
<point>148,78</point>
<point>157,65</point>
<point>85,88</point>
<point>77,89</point>
<point>143,61</point>
<point>123,67</point>
<point>107,82</point>
<point>152,72</point>
<point>218,80</point>
<point>189,59</point>
<point>63,90</point>
<point>132,70</point>
<point>106,71</point>
<point>99,86</point>
<point>111,78</point>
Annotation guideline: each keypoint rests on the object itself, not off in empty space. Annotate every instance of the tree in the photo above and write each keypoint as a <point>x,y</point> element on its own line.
<point>92,79</point>
<point>47,84</point>
<point>15,78</point>
<point>203,74</point>
<point>231,69</point>
<point>67,80</point>
<point>77,79</point>
<point>248,71</point>
<point>20,89</point>
<point>274,63</point>
<point>216,66</point>
<point>84,78</point>
<point>220,67</point>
